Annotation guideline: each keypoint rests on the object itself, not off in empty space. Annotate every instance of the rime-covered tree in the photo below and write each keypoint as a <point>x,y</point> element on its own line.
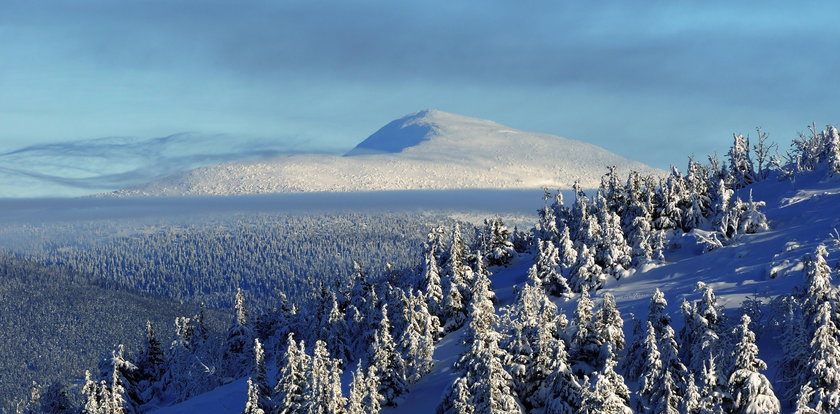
<point>549,271</point>
<point>713,396</point>
<point>259,401</point>
<point>322,392</point>
<point>656,312</point>
<point>237,357</point>
<point>386,362</point>
<point>608,393</point>
<point>650,371</point>
<point>833,138</point>
<point>430,284</point>
<point>499,249</point>
<point>609,327</point>
<point>458,399</point>
<point>582,350</point>
<point>417,341</point>
<point>823,377</point>
<point>150,363</point>
<point>633,361</point>
<point>586,274</point>
<point>561,390</point>
<point>700,332</point>
<point>740,164</point>
<point>751,391</point>
<point>291,378</point>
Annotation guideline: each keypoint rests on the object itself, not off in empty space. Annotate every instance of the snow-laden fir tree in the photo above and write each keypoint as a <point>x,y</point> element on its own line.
<point>387,364</point>
<point>566,251</point>
<point>96,396</point>
<point>669,391</point>
<point>656,312</point>
<point>741,168</point>
<point>291,378</point>
<point>150,363</point>
<point>549,271</point>
<point>818,279</point>
<point>751,391</point>
<point>499,249</point>
<point>335,331</point>
<point>259,401</point>
<point>417,342</point>
<point>713,396</point>
<point>650,371</point>
<point>430,284</point>
<point>237,357</point>
<point>322,391</point>
<point>561,391</point>
<point>633,361</point>
<point>640,240</point>
<point>833,138</point>
<point>608,393</point>
<point>609,327</point>
<point>458,400</point>
<point>586,274</point>
<point>614,255</point>
<point>584,348</point>
<point>363,397</point>
<point>823,377</point>
<point>700,333</point>
<point>691,402</point>
<point>120,376</point>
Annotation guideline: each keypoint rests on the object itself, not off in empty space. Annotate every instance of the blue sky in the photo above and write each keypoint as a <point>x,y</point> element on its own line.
<point>653,81</point>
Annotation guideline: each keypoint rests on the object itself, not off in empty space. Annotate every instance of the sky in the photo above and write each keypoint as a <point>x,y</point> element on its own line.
<point>654,81</point>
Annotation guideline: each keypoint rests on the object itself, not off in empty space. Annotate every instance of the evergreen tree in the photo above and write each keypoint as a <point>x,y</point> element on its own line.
<point>499,248</point>
<point>608,394</point>
<point>583,351</point>
<point>651,371</point>
<point>95,396</point>
<point>740,164</point>
<point>633,362</point>
<point>548,270</point>
<point>292,378</point>
<point>252,404</point>
<point>586,274</point>
<point>691,402</point>
<point>561,391</point>
<point>656,312</point>
<point>240,337</point>
<point>833,138</point>
<point>258,391</point>
<point>387,364</point>
<point>150,363</point>
<point>431,284</point>
<point>358,390</point>
<point>458,400</point>
<point>824,362</point>
<point>609,328</point>
<point>751,391</point>
<point>568,254</point>
<point>713,394</point>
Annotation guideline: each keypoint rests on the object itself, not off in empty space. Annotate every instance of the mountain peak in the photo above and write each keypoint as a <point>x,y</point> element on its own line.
<point>411,130</point>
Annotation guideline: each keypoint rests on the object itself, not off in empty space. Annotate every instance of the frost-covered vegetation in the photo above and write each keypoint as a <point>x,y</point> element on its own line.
<point>522,351</point>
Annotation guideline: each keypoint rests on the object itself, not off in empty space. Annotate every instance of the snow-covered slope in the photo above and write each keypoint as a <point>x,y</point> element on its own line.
<point>426,150</point>
<point>802,214</point>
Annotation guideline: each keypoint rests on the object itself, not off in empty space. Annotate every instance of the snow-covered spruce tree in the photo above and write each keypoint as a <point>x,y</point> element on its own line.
<point>237,357</point>
<point>322,392</point>
<point>363,397</point>
<point>823,377</point>
<point>150,362</point>
<point>387,364</point>
<point>121,377</point>
<point>640,240</point>
<point>691,401</point>
<point>751,391</point>
<point>548,270</point>
<point>252,403</point>
<point>499,250</point>
<point>430,283</point>
<point>586,274</point>
<point>671,387</point>
<point>657,315</point>
<point>96,396</point>
<point>335,331</point>
<point>609,327</point>
<point>291,378</point>
<point>608,394</point>
<point>713,396</point>
<point>567,253</point>
<point>417,342</point>
<point>633,361</point>
<point>259,401</point>
<point>613,254</point>
<point>741,167</point>
<point>584,348</point>
<point>818,279</point>
<point>561,391</point>
<point>55,399</point>
<point>701,331</point>
<point>458,400</point>
<point>650,371</point>
<point>833,138</point>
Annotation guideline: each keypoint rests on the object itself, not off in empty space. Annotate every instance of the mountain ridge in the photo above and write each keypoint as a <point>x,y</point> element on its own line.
<point>426,150</point>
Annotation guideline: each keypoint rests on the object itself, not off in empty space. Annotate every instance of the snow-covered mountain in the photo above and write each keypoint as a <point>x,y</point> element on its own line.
<point>426,150</point>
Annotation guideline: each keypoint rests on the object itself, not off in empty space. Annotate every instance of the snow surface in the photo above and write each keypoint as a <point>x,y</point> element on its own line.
<point>765,264</point>
<point>425,150</point>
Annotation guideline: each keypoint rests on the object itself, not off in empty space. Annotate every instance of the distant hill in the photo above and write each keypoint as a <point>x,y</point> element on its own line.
<point>426,150</point>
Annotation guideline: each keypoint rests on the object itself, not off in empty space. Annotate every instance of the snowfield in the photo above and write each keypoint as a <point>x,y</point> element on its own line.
<point>422,151</point>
